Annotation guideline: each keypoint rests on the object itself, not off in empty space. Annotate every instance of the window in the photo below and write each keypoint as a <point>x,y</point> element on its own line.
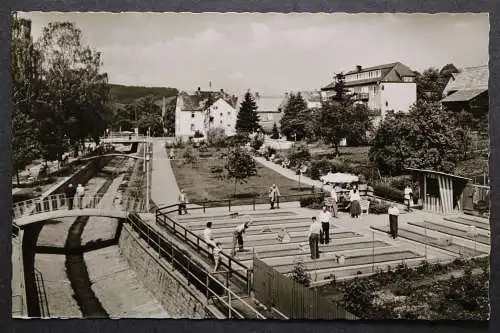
<point>407,79</point>
<point>221,121</point>
<point>211,119</point>
<point>228,125</point>
<point>192,127</point>
<point>221,114</point>
<point>382,87</point>
<point>386,103</point>
<point>192,114</point>
<point>229,113</point>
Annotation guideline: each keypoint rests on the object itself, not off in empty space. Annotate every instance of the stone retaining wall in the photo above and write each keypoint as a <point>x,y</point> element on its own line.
<point>169,287</point>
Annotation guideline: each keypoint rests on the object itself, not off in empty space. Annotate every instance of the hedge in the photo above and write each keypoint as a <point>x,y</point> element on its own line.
<point>388,192</point>
<point>312,202</point>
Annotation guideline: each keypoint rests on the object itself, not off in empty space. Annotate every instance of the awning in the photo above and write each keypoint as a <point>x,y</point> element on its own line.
<point>463,95</point>
<point>339,178</point>
<point>438,173</point>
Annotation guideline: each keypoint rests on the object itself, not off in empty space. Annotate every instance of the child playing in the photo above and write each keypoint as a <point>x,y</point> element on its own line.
<point>217,250</point>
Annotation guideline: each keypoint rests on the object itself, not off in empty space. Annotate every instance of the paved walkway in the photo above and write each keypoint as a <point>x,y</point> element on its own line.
<point>164,188</point>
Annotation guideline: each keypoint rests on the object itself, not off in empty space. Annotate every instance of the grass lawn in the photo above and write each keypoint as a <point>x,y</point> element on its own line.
<point>357,155</point>
<point>201,184</point>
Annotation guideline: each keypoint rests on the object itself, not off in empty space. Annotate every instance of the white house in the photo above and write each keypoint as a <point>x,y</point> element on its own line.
<point>382,88</point>
<point>201,110</point>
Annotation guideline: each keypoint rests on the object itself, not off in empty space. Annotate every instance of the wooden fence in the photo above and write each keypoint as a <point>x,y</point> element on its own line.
<point>292,299</point>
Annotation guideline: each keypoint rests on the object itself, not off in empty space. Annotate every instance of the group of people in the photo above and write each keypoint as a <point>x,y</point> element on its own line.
<point>216,246</point>
<point>354,201</point>
<point>319,231</point>
<point>72,193</point>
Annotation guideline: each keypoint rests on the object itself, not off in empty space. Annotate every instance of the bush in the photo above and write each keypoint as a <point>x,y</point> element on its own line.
<point>377,207</point>
<point>299,273</point>
<point>216,137</point>
<point>216,169</point>
<point>198,134</point>
<point>312,202</point>
<point>400,182</point>
<point>257,142</point>
<point>388,192</point>
<point>299,153</point>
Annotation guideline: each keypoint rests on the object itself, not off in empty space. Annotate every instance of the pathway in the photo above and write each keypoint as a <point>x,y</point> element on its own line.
<point>164,188</point>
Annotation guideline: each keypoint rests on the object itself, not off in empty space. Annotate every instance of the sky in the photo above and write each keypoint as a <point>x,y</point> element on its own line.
<point>270,53</point>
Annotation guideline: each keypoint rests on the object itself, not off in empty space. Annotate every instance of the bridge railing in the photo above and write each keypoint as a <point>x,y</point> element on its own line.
<point>61,202</point>
<point>201,278</point>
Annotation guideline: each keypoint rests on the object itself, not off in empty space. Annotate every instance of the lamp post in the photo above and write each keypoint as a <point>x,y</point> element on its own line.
<point>147,182</point>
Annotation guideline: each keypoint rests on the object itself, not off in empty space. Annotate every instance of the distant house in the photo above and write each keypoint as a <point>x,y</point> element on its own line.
<point>201,110</point>
<point>382,88</point>
<point>468,90</point>
<point>312,98</point>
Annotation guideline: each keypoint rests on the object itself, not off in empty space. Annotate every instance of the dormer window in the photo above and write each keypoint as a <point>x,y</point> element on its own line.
<point>192,114</point>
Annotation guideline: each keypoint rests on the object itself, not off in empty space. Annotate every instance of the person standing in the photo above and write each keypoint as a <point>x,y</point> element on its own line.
<point>313,235</point>
<point>207,236</point>
<point>274,194</point>
<point>182,202</point>
<point>238,237</point>
<point>80,192</point>
<point>334,200</point>
<point>325,217</point>
<point>70,195</point>
<point>408,196</point>
<point>393,220</point>
<point>355,198</point>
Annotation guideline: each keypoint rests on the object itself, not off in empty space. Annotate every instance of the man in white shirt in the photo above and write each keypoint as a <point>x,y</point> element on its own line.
<point>393,221</point>
<point>80,192</point>
<point>313,235</point>
<point>238,237</point>
<point>324,217</point>
<point>207,236</point>
<point>408,196</point>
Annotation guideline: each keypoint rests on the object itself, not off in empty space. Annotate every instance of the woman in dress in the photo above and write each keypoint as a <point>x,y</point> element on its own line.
<point>355,198</point>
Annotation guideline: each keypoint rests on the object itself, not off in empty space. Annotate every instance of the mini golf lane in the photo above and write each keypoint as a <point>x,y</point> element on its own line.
<point>483,239</point>
<point>421,238</point>
<point>352,260</point>
<point>259,231</point>
<point>323,248</point>
<point>255,224</point>
<point>227,244</point>
<point>182,218</point>
<point>465,221</point>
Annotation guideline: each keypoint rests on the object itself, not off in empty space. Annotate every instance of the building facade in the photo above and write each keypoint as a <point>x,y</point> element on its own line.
<point>383,88</point>
<point>201,110</point>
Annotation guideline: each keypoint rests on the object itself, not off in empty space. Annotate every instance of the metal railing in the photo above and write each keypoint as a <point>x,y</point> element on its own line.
<point>234,266</point>
<point>42,294</point>
<point>58,202</point>
<point>203,280</point>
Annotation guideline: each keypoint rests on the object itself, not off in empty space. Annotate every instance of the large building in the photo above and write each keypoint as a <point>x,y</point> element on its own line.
<point>382,88</point>
<point>270,110</point>
<point>201,110</point>
<point>468,90</point>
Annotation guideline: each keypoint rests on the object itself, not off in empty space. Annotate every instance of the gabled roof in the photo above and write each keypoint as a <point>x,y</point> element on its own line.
<point>197,101</point>
<point>469,78</point>
<point>393,72</point>
<point>463,95</point>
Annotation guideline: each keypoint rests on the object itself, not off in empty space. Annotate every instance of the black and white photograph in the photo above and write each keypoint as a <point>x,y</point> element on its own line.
<point>318,166</point>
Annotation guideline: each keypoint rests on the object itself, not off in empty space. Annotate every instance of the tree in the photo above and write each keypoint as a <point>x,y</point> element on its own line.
<point>426,138</point>
<point>239,166</point>
<point>431,83</point>
<point>296,117</point>
<point>75,92</point>
<point>275,134</point>
<point>337,120</point>
<point>26,92</point>
<point>247,120</point>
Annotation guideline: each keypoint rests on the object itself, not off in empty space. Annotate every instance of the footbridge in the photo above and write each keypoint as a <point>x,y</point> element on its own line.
<point>59,206</point>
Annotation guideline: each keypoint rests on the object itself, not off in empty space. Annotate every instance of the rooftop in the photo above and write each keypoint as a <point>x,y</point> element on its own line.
<point>197,101</point>
<point>463,95</point>
<point>469,78</point>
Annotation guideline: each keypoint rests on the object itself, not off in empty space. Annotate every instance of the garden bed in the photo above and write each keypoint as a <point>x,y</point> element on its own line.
<point>455,291</point>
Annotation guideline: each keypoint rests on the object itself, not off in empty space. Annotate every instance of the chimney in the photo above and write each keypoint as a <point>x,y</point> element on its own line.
<point>359,68</point>
<point>286,94</point>
<point>222,90</point>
